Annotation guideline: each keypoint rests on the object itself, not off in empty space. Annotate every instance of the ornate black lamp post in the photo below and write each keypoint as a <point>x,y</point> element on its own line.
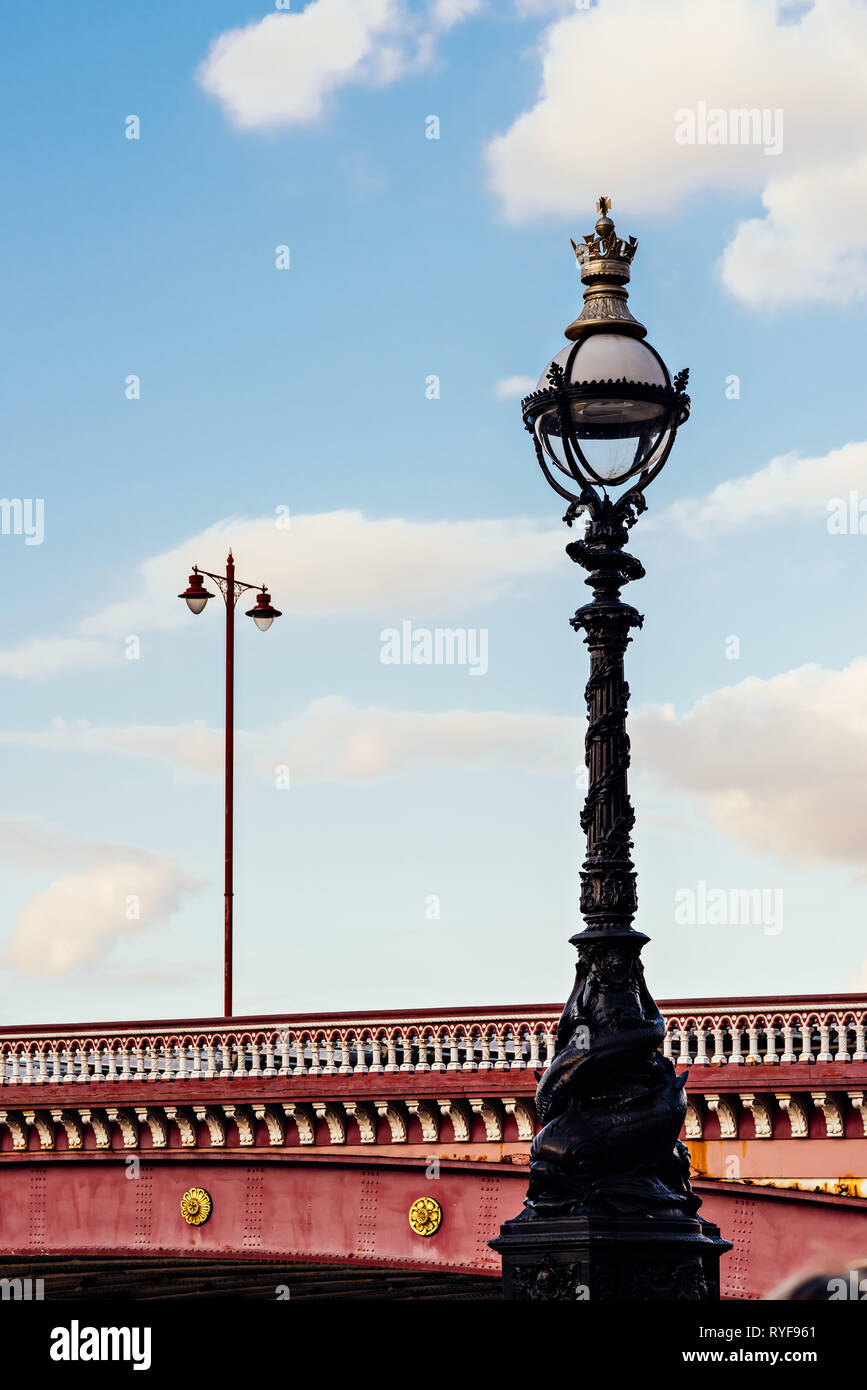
<point>609,1213</point>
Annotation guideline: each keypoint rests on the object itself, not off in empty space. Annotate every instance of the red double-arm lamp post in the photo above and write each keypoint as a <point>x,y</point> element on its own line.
<point>263,615</point>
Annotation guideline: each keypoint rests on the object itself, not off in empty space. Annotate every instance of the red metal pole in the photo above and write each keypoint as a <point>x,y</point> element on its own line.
<point>230,760</point>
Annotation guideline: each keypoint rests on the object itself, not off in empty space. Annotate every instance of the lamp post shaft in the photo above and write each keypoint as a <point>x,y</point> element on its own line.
<point>609,1214</point>
<point>608,896</point>
<point>230,789</point>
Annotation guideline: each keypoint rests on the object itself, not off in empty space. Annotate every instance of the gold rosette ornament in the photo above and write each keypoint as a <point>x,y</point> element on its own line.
<point>196,1206</point>
<point>425,1216</point>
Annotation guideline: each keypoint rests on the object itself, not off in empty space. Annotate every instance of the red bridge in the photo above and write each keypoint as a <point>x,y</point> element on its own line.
<point>313,1137</point>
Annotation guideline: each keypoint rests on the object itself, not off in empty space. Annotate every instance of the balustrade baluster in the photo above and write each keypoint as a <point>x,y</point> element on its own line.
<point>407,1063</point>
<point>842,1053</point>
<point>300,1068</point>
<point>391,1061</point>
<point>225,1059</point>
<point>346,1042</point>
<point>824,1042</point>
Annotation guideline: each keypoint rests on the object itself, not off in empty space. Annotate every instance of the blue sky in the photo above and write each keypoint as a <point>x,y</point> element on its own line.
<point>305,389</point>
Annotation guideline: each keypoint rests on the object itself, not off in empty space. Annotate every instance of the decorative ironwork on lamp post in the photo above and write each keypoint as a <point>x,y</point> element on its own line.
<point>609,1213</point>
<point>263,615</point>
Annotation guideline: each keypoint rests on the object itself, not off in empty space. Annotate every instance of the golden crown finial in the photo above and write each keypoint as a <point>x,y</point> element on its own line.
<point>605,245</point>
<point>604,259</point>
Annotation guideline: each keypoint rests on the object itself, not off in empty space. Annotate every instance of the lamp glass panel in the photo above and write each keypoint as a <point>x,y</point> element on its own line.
<point>615,460</point>
<point>615,449</point>
<point>616,357</point>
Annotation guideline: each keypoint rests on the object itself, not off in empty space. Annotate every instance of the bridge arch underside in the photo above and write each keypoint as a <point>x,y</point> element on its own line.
<point>347,1213</point>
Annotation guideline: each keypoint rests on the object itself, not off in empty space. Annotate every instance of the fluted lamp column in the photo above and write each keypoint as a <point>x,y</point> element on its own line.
<point>609,1213</point>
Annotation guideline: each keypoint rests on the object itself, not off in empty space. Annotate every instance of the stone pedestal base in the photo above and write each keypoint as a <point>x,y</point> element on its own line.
<point>610,1260</point>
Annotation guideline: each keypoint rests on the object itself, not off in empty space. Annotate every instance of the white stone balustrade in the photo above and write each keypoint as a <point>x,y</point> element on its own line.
<point>741,1033</point>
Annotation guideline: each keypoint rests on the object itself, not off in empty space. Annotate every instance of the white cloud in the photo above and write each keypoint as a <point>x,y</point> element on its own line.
<point>106,894</point>
<point>335,741</point>
<point>446,13</point>
<point>430,564</point>
<point>47,656</point>
<point>282,69</point>
<point>512,388</point>
<point>609,127</point>
<point>192,749</point>
<point>788,486</point>
<point>778,764</point>
<point>81,915</point>
<point>810,247</point>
